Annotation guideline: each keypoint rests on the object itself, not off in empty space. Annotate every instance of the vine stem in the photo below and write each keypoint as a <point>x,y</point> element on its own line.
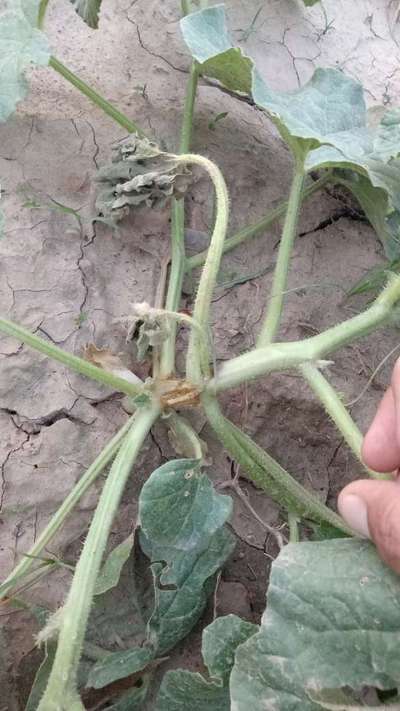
<point>197,260</point>
<point>96,98</point>
<point>75,613</point>
<point>337,412</point>
<point>274,309</point>
<point>178,256</point>
<point>65,509</point>
<point>293,522</point>
<point>42,13</point>
<point>79,365</point>
<point>282,356</point>
<point>198,352</point>
<point>266,472</point>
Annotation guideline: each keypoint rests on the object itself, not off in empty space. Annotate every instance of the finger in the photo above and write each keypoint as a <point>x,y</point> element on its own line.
<point>381,448</point>
<point>372,509</point>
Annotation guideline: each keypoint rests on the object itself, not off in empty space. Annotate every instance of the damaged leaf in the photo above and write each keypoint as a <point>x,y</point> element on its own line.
<point>105,359</point>
<point>88,10</point>
<point>21,44</point>
<point>140,175</point>
<point>148,327</point>
<point>332,621</point>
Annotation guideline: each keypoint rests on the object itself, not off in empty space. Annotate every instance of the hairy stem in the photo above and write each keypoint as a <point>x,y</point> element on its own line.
<point>79,365</point>
<point>188,440</point>
<point>293,522</point>
<point>198,352</point>
<point>75,613</point>
<point>283,356</point>
<point>65,509</point>
<point>96,98</point>
<point>266,472</point>
<point>337,412</point>
<point>274,310</point>
<point>42,13</point>
<point>197,260</point>
<point>178,257</point>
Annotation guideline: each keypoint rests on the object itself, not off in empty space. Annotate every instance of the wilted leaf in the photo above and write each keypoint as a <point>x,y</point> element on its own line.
<point>140,175</point>
<point>105,359</point>
<point>21,44</point>
<point>332,620</point>
<point>117,665</point>
<point>220,641</point>
<point>179,506</point>
<point>88,11</point>
<point>111,570</point>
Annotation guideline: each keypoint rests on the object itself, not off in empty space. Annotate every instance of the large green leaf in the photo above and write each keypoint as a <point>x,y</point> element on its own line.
<point>21,44</point>
<point>326,116</point>
<point>117,665</point>
<point>220,641</point>
<point>88,10</point>
<point>332,620</point>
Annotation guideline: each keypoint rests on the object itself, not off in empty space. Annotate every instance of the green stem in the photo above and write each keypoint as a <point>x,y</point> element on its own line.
<point>96,98</point>
<point>75,613</point>
<point>197,260</point>
<point>274,310</point>
<point>188,439</point>
<point>337,412</point>
<point>42,13</point>
<point>65,509</point>
<point>293,521</point>
<point>71,361</point>
<point>266,472</point>
<point>283,356</point>
<point>198,351</point>
<point>178,257</point>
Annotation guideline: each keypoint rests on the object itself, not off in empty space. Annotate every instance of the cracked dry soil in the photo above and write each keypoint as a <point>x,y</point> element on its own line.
<point>70,282</point>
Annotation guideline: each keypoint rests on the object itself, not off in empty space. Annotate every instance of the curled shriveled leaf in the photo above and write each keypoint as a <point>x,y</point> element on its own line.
<point>140,175</point>
<point>21,44</point>
<point>105,359</point>
<point>147,326</point>
<point>88,11</point>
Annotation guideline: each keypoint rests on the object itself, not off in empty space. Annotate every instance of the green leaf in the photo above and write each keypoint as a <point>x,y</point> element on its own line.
<point>182,532</point>
<point>330,108</point>
<point>88,10</point>
<point>179,506</point>
<point>332,620</point>
<point>21,44</point>
<point>42,677</point>
<point>117,665</point>
<point>111,571</point>
<point>220,641</point>
<point>338,700</point>
<point>310,3</point>
<point>375,279</point>
<point>181,690</point>
<point>387,138</point>
<point>375,204</point>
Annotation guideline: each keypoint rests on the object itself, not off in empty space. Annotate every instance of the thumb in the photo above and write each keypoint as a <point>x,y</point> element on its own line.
<point>372,509</point>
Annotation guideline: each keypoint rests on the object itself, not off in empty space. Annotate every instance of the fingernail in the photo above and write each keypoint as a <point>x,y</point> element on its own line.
<point>354,512</point>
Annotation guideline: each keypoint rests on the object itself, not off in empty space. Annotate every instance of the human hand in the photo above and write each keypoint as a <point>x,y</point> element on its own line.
<point>370,507</point>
